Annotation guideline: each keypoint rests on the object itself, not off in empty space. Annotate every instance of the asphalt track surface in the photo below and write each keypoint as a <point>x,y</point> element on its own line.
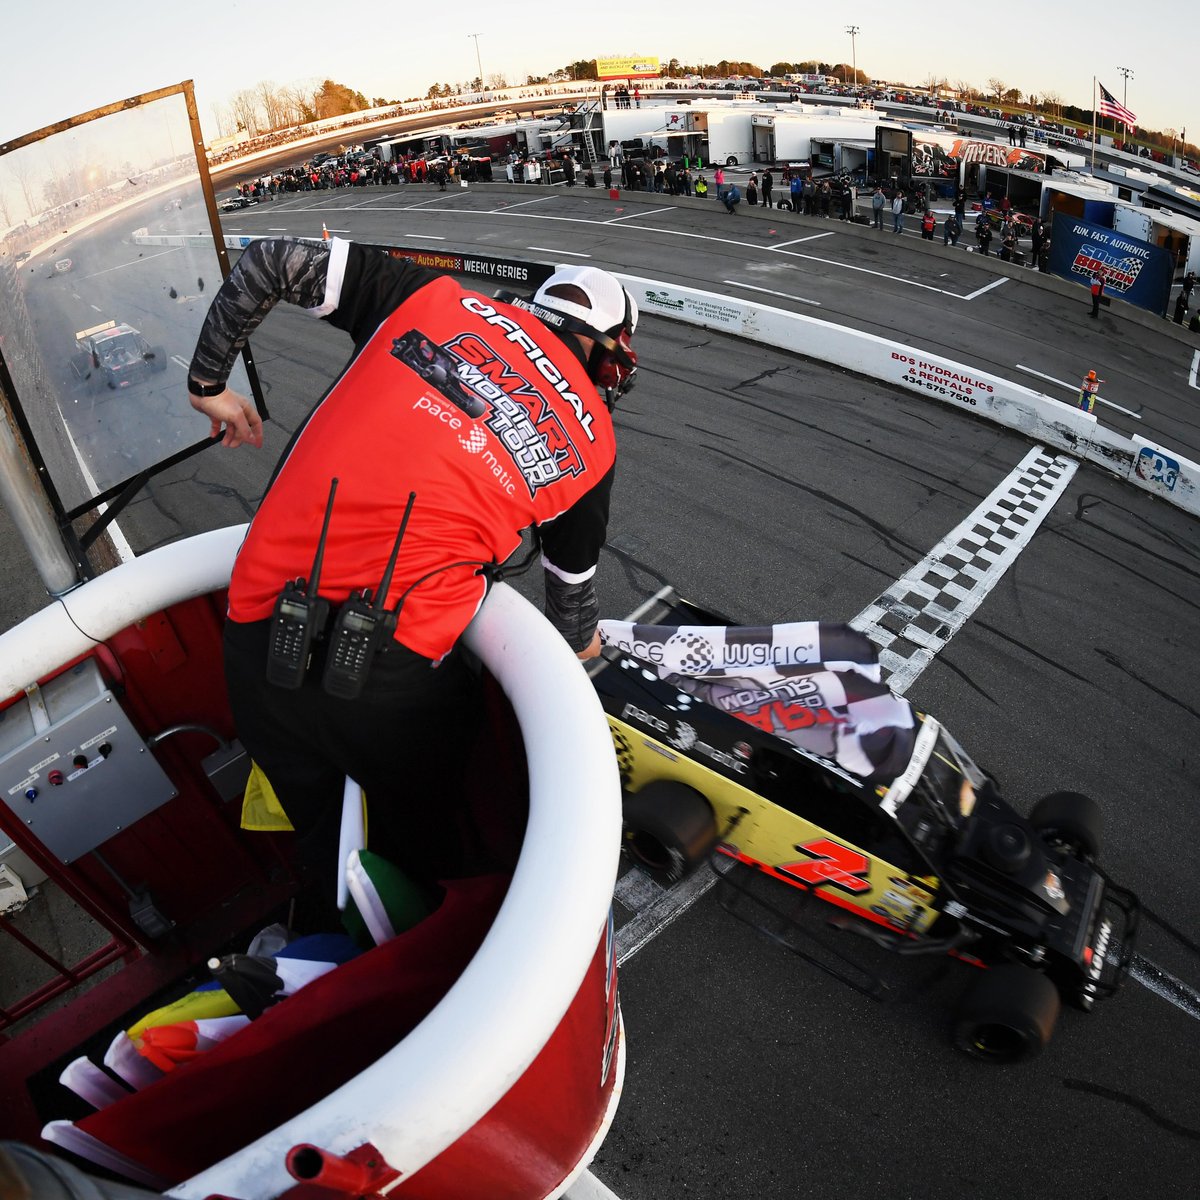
<point>771,487</point>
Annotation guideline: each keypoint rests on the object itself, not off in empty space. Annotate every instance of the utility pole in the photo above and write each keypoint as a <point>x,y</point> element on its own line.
<point>478,61</point>
<point>852,30</point>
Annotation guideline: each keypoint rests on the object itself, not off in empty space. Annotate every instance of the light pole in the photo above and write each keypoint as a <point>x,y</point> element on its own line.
<point>478,61</point>
<point>852,30</point>
<point>1125,89</point>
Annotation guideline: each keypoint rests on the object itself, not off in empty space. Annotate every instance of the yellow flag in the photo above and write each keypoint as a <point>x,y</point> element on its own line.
<point>261,809</point>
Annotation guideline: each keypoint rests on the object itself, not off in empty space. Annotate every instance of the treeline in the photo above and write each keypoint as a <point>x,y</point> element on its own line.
<point>268,107</point>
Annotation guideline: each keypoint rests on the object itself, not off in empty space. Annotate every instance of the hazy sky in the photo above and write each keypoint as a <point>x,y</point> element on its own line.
<point>68,56</point>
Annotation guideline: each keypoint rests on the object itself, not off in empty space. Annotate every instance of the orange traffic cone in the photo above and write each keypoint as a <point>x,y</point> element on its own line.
<point>324,232</point>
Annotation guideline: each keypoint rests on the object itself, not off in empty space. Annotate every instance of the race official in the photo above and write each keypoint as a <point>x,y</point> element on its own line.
<point>480,418</point>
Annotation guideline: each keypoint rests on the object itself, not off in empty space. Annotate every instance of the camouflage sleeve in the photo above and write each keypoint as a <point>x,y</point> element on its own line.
<point>270,270</point>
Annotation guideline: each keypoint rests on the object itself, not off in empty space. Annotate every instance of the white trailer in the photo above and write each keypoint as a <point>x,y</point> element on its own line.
<point>1172,231</point>
<point>742,134</point>
<point>665,126</point>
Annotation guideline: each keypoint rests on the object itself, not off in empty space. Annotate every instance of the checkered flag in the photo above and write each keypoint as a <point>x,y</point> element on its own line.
<point>815,684</point>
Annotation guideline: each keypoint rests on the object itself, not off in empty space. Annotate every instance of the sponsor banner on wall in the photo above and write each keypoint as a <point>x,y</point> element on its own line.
<point>947,381</point>
<point>699,307</point>
<point>638,67</point>
<point>1136,271</point>
<point>938,156</point>
<point>483,266</point>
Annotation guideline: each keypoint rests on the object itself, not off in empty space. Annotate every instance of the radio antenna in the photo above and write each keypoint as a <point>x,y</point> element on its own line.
<point>315,578</point>
<point>386,581</point>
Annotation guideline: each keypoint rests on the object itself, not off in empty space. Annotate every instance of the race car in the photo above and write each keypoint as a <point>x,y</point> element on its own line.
<point>895,825</point>
<point>115,356</point>
<point>236,202</point>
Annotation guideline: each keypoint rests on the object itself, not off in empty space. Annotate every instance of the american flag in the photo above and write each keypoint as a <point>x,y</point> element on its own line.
<point>1110,106</point>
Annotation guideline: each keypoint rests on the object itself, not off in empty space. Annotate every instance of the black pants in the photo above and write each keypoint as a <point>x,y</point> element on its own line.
<point>405,739</point>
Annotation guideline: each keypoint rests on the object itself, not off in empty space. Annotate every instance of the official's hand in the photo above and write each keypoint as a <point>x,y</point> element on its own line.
<point>235,412</point>
<point>592,650</point>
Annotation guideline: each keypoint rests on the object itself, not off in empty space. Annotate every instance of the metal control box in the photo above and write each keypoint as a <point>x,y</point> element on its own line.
<point>73,768</point>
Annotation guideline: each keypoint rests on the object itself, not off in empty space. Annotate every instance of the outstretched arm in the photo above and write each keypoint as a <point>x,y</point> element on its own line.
<point>270,270</point>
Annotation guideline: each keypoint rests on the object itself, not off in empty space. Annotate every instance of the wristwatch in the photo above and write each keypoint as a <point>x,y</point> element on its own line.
<point>205,389</point>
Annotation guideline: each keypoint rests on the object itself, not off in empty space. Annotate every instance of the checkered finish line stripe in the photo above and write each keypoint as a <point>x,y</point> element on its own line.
<point>929,604</point>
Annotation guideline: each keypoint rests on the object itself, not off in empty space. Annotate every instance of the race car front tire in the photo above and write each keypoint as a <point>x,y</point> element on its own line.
<point>1071,820</point>
<point>669,829</point>
<point>1008,1015</point>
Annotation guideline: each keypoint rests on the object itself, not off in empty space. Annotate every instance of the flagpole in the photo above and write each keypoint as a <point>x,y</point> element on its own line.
<point>1093,124</point>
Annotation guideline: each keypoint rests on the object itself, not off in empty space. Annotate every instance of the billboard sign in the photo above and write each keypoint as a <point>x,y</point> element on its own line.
<point>1136,271</point>
<point>636,67</point>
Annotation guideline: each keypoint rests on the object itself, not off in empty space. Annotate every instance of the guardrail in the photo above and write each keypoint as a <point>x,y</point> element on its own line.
<point>1144,464</point>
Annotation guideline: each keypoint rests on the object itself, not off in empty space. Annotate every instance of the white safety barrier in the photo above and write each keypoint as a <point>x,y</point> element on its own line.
<point>1147,465</point>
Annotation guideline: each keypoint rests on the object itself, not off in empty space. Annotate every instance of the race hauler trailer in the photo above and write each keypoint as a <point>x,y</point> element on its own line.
<point>945,161</point>
<point>738,134</point>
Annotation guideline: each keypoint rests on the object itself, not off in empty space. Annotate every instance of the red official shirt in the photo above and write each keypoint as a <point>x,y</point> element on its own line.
<point>472,404</point>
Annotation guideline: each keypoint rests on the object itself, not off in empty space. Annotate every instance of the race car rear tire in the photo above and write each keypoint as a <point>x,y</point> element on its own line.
<point>1008,1015</point>
<point>1072,820</point>
<point>669,829</point>
<point>157,358</point>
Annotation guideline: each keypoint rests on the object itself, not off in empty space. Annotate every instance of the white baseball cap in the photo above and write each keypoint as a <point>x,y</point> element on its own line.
<point>607,298</point>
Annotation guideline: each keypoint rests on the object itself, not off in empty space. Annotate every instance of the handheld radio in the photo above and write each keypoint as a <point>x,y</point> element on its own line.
<point>299,618</point>
<point>363,627</point>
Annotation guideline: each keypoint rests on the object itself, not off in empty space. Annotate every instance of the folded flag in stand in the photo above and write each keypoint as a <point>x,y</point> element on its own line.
<point>177,1032</point>
<point>1110,106</point>
<point>817,685</point>
<point>384,901</point>
<point>207,1001</point>
<point>256,981</point>
<point>168,1046</point>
